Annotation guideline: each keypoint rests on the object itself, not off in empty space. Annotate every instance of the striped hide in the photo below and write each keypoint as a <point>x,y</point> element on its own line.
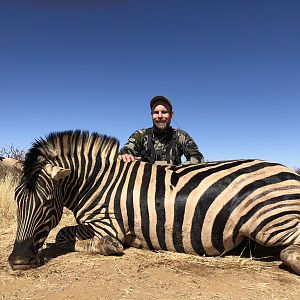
<point>200,209</point>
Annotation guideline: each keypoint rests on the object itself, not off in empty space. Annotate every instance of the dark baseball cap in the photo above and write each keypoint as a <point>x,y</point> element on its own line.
<point>160,98</point>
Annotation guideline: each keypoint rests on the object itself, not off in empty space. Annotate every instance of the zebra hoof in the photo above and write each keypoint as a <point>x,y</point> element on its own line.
<point>110,246</point>
<point>290,256</point>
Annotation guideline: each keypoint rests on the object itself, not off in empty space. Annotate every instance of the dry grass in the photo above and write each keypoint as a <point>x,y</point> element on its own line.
<point>8,184</point>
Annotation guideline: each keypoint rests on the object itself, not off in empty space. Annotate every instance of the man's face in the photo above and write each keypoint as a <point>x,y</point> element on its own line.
<point>161,115</point>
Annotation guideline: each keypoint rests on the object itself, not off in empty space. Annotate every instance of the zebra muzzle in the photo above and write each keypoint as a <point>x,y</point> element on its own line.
<point>23,257</point>
<point>23,263</point>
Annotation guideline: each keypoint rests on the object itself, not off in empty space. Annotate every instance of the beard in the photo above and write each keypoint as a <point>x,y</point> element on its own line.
<point>161,126</point>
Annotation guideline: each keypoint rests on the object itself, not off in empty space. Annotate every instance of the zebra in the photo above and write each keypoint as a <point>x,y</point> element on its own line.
<point>203,209</point>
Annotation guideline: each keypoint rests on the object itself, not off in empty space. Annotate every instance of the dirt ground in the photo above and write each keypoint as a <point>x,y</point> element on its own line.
<point>142,274</point>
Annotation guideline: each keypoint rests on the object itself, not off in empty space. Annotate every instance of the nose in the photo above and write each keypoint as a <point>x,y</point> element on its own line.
<point>23,256</point>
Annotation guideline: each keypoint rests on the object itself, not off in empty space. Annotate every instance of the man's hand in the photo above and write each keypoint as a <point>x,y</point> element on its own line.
<point>128,157</point>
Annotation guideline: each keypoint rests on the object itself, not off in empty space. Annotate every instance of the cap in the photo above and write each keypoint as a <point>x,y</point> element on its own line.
<point>160,98</point>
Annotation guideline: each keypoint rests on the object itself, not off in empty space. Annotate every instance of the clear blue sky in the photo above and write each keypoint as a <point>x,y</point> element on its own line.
<point>231,69</point>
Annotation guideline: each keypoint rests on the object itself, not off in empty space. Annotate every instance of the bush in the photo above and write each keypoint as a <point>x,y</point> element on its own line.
<point>9,179</point>
<point>7,203</point>
<point>13,152</point>
<point>297,171</point>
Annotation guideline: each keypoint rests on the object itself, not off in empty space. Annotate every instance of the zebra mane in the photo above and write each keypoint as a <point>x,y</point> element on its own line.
<point>58,145</point>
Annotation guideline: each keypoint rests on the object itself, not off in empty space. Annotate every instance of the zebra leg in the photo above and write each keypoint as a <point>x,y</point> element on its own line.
<point>105,245</point>
<point>81,238</point>
<point>290,256</point>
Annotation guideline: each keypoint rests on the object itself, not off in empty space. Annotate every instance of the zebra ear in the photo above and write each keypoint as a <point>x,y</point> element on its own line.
<point>57,172</point>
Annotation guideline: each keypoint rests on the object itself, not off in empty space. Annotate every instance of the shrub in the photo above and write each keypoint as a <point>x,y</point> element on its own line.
<point>14,152</point>
<point>7,203</point>
<point>8,182</point>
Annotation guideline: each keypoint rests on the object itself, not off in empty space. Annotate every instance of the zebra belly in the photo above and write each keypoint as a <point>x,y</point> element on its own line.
<point>180,239</point>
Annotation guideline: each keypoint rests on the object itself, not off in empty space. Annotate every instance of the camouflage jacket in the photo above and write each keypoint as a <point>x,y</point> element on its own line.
<point>163,148</point>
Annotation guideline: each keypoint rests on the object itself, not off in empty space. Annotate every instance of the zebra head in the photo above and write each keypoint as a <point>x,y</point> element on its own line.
<point>46,186</point>
<point>39,209</point>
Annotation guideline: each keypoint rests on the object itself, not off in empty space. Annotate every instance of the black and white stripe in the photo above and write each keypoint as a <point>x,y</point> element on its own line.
<point>202,209</point>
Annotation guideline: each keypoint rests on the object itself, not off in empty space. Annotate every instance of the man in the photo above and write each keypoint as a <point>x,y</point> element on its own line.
<point>161,143</point>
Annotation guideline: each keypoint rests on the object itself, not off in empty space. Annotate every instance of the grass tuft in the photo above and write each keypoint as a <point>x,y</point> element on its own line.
<point>8,184</point>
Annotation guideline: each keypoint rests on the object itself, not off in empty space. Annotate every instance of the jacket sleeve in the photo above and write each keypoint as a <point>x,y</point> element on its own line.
<point>133,145</point>
<point>190,150</point>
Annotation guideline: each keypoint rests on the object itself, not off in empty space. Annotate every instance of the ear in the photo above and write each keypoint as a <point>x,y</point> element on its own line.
<point>57,172</point>
<point>12,163</point>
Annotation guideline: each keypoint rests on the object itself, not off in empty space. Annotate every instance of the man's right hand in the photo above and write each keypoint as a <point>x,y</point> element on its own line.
<point>128,157</point>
